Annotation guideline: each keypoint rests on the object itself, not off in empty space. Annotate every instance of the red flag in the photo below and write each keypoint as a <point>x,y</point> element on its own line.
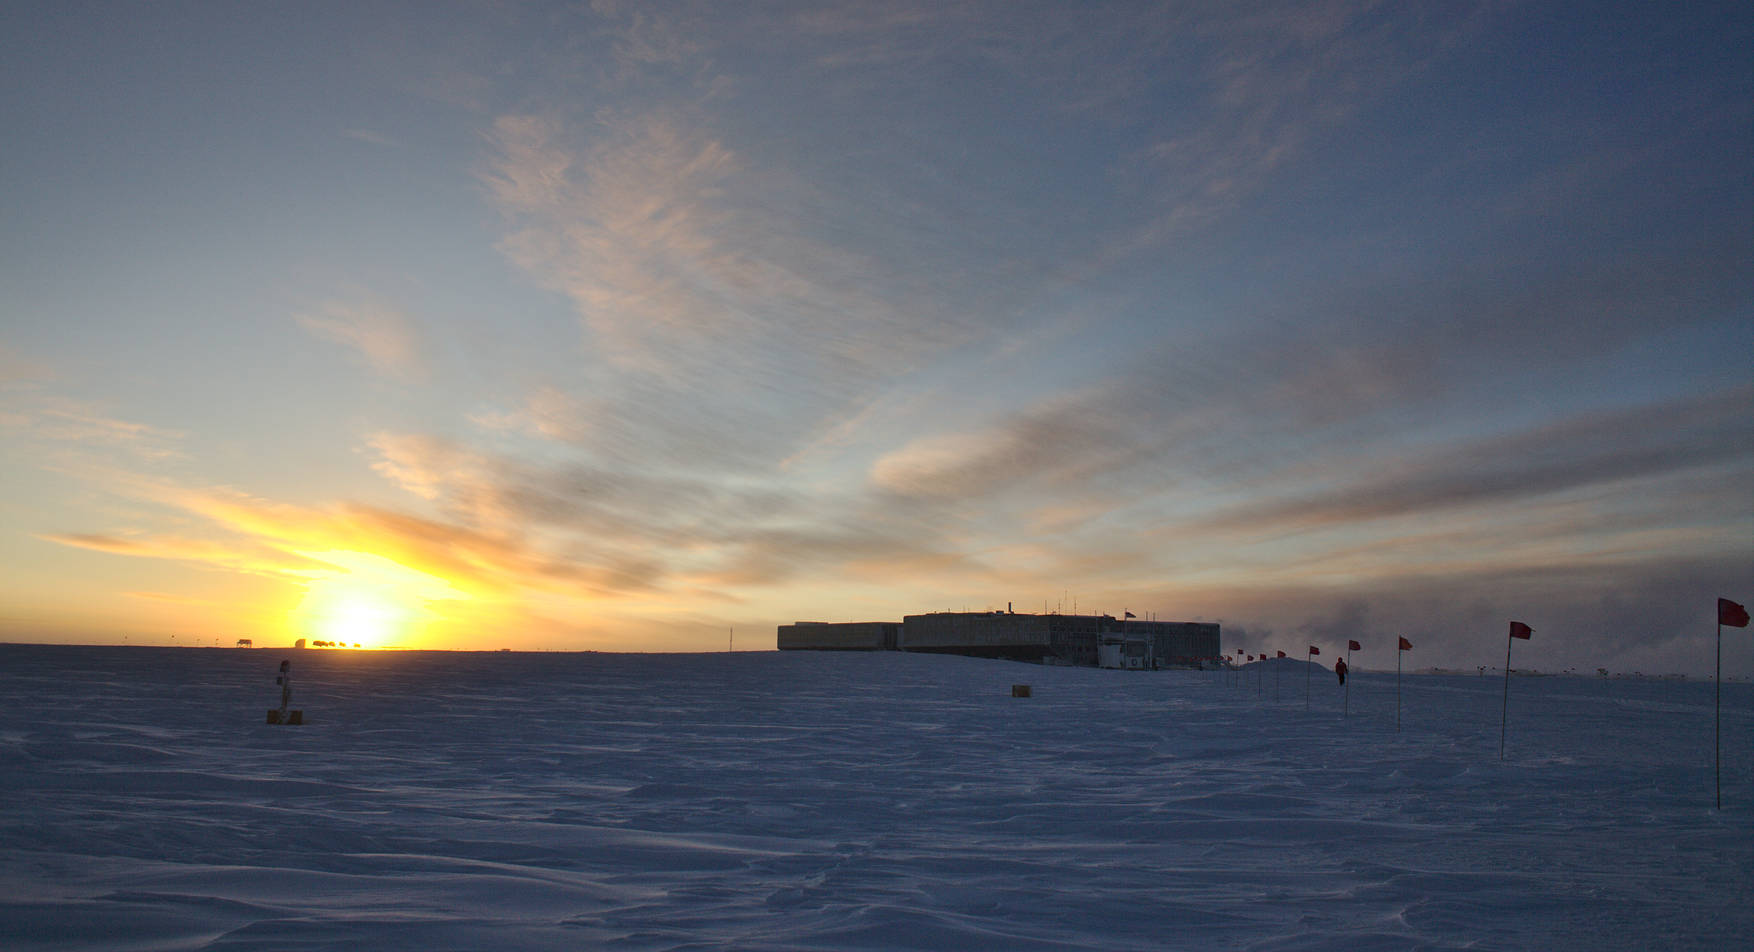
<point>1281,654</point>
<point>1731,614</point>
<point>1406,645</point>
<point>1520,630</point>
<point>1354,646</point>
<point>1313,650</point>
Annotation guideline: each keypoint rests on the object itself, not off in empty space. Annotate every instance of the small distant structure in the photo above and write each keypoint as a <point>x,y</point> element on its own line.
<point>299,643</point>
<point>246,643</point>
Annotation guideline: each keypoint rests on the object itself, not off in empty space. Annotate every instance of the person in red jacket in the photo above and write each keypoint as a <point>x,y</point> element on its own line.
<point>1340,669</point>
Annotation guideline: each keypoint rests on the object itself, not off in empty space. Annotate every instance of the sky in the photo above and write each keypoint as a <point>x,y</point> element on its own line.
<point>652,326</point>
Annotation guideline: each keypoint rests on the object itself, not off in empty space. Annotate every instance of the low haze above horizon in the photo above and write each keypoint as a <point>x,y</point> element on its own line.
<point>622,326</point>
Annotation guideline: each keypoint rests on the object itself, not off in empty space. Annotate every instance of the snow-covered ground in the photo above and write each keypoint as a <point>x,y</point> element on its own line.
<point>853,801</point>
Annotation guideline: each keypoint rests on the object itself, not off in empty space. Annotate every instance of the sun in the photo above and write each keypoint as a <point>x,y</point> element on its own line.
<point>350,613</point>
<point>367,601</point>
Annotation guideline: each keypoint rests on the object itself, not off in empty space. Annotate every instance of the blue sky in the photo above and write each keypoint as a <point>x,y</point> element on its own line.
<point>621,325</point>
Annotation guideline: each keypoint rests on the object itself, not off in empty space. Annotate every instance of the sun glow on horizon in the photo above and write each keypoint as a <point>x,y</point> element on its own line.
<point>371,602</point>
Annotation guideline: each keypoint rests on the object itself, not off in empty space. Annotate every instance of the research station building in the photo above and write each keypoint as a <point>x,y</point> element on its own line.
<point>1051,638</point>
<point>846,636</point>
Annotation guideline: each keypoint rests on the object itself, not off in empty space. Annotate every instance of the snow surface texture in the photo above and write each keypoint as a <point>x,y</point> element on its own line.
<point>852,801</point>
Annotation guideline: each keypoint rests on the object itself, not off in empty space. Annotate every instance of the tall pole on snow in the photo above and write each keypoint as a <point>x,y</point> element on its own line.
<point>1734,615</point>
<point>1307,665</point>
<point>1403,645</point>
<point>1517,630</point>
<point>1346,705</point>
<point>1504,708</point>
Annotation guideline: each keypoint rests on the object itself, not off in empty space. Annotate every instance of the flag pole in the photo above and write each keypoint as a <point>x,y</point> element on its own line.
<point>1504,711</point>
<point>1307,664</point>
<point>1397,688</point>
<point>1346,707</point>
<point>1732,614</point>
